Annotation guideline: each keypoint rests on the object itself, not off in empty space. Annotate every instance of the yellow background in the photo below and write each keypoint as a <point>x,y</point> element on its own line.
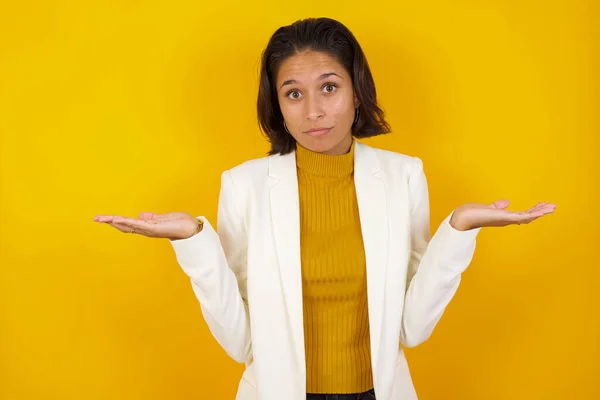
<point>118,107</point>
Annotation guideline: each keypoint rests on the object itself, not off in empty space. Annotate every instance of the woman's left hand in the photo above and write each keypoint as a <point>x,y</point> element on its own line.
<point>473,215</point>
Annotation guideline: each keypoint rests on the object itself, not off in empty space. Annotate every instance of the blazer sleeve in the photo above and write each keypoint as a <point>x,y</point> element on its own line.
<point>216,265</point>
<point>435,266</point>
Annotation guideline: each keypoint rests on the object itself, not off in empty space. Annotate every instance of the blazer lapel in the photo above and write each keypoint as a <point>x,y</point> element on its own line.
<point>285,221</point>
<point>372,208</point>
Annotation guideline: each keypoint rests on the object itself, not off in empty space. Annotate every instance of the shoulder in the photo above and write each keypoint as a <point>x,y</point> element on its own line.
<point>250,168</point>
<point>394,162</point>
<point>249,172</point>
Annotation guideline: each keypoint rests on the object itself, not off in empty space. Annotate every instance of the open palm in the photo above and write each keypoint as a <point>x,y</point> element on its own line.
<point>173,225</point>
<point>474,215</point>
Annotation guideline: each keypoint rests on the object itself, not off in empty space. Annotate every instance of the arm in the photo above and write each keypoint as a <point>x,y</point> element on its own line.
<point>435,265</point>
<point>216,265</point>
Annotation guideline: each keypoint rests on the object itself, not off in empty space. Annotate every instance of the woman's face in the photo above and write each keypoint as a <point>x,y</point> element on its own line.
<point>317,101</point>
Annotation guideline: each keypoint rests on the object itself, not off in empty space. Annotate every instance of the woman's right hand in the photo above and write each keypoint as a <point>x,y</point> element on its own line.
<point>172,226</point>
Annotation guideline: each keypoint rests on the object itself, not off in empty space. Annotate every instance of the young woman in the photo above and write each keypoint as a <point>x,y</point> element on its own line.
<point>323,264</point>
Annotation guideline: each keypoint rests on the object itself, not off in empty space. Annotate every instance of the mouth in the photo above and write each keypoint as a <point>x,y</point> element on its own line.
<point>317,132</point>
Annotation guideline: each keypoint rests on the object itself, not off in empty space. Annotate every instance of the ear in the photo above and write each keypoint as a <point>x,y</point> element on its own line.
<point>356,102</point>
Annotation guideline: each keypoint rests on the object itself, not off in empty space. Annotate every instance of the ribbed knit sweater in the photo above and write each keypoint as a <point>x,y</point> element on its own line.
<point>336,322</point>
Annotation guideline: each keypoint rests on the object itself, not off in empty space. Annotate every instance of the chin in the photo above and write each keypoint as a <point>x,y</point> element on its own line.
<point>318,145</point>
<point>321,144</point>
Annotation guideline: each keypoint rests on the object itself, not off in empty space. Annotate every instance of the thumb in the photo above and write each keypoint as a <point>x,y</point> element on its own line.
<point>500,204</point>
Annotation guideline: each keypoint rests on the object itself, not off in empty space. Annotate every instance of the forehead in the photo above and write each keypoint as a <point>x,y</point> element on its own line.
<point>309,65</point>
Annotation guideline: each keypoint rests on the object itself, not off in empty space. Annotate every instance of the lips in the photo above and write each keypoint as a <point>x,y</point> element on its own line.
<point>317,131</point>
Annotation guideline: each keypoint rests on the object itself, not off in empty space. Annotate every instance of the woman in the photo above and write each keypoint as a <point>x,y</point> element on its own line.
<point>323,264</point>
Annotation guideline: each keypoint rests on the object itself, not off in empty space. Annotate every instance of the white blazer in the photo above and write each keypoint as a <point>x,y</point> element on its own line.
<point>247,277</point>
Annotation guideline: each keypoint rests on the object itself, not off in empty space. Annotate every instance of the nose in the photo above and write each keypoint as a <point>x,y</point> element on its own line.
<point>314,108</point>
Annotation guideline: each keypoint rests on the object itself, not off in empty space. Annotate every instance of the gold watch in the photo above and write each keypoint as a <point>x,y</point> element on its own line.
<point>199,227</point>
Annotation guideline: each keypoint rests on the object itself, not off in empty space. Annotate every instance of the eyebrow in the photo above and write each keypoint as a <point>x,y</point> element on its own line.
<point>324,76</point>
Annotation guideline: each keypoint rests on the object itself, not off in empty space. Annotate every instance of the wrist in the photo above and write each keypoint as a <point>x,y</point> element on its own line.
<point>458,223</point>
<point>197,229</point>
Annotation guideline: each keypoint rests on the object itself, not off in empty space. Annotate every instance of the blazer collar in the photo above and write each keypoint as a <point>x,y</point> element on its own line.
<point>284,166</point>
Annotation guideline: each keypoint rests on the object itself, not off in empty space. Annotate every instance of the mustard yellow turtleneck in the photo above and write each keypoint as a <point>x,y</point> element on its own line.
<point>336,323</point>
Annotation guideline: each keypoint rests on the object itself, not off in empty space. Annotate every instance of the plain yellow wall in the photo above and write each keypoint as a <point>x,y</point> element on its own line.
<point>118,107</point>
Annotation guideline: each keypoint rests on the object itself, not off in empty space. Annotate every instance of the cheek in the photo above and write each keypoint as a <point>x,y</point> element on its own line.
<point>343,110</point>
<point>292,113</point>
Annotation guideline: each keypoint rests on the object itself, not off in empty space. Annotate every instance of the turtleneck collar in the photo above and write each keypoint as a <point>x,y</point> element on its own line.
<point>323,164</point>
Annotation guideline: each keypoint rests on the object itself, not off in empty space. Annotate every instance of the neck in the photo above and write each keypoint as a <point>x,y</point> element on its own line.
<point>325,165</point>
<point>342,147</point>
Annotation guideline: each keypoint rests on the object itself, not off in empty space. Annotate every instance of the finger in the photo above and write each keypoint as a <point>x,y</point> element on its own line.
<point>548,209</point>
<point>500,204</point>
<point>146,216</point>
<point>544,209</point>
<point>538,205</point>
<point>537,211</point>
<point>127,225</point>
<point>123,228</point>
<point>104,218</point>
<point>151,217</point>
<point>133,223</point>
<point>527,217</point>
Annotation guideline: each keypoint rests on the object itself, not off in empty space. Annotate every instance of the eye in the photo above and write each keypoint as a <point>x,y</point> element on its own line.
<point>293,94</point>
<point>330,87</point>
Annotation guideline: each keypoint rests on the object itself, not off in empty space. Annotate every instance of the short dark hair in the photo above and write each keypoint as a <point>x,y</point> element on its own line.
<point>324,35</point>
